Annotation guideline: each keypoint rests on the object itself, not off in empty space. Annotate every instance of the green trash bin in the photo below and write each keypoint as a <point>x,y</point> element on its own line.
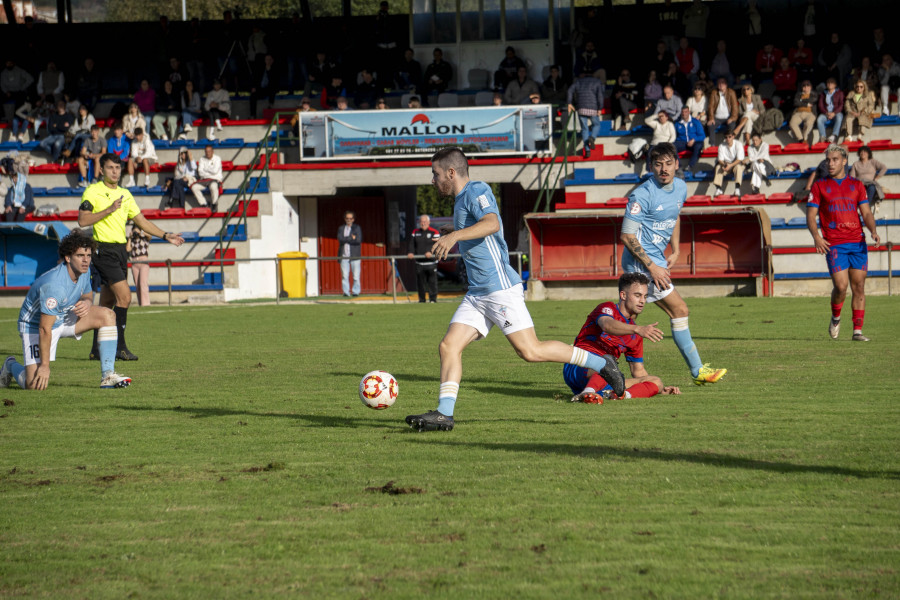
<point>293,274</point>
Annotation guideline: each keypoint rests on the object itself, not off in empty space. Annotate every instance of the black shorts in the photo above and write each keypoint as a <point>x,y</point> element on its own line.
<point>111,261</point>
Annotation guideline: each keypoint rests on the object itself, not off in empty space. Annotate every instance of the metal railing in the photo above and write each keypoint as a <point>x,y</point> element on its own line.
<point>563,149</point>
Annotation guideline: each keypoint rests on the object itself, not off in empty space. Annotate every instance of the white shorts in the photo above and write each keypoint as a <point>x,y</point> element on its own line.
<point>31,342</point>
<point>505,308</point>
<point>654,293</point>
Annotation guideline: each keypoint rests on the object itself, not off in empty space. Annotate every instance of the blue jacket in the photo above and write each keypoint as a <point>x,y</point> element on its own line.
<point>693,131</point>
<point>27,201</point>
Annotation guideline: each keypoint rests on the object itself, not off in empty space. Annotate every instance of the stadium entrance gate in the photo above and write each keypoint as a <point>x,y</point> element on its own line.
<point>375,275</point>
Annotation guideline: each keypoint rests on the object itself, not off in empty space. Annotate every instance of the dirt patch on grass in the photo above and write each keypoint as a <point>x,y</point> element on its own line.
<point>8,402</point>
<point>272,466</point>
<point>390,488</point>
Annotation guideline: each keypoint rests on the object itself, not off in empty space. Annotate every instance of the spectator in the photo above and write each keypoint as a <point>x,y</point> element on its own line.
<point>305,106</point>
<point>754,24</point>
<point>877,47</point>
<point>184,177</point>
<point>265,84</point>
<point>209,176</point>
<point>367,90</point>
<point>801,58</point>
<point>142,152</point>
<point>587,64</point>
<point>72,103</point>
<point>191,108</point>
<point>138,248</point>
<point>767,60</point>
<point>168,109</point>
<point>119,144</point>
<point>670,102</point>
<point>88,159</point>
<point>216,108</point>
<point>332,91</point>
<point>804,118</point>
<point>704,81</point>
<point>31,111</point>
<point>79,131</point>
<point>759,162</point>
<point>869,171</point>
<point>698,104</point>
<point>14,84</point>
<point>554,89</point>
<point>723,109</point>
<point>669,24</point>
<point>177,74</point>
<point>437,75</point>
<point>831,110</point>
<point>785,80</point>
<point>496,100</point>
<point>19,199</point>
<point>752,108</point>
<point>889,78</point>
<point>57,126</point>
<point>677,81</point>
<point>835,59</point>
<point>89,84</point>
<point>257,49</point>
<point>689,136</point>
<point>319,74</point>
<point>534,99</point>
<point>508,69</point>
<point>51,83</point>
<point>859,108</point>
<point>229,36</point>
<point>687,59</point>
<point>349,236</point>
<point>720,66</point>
<point>409,73</point>
<point>625,98</point>
<point>652,92</point>
<point>663,131</point>
<point>585,97</point>
<point>730,161</point>
<point>866,72</point>
<point>519,89</point>
<point>420,242</point>
<point>416,102</point>
<point>662,59</point>
<point>145,98</point>
<point>195,51</point>
<point>381,104</point>
<point>694,20</point>
<point>342,104</point>
<point>385,44</point>
<point>133,120</point>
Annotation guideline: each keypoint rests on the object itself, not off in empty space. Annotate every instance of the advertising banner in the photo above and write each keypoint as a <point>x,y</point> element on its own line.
<point>407,133</point>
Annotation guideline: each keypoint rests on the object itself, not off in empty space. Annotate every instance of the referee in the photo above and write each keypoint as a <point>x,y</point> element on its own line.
<point>107,207</point>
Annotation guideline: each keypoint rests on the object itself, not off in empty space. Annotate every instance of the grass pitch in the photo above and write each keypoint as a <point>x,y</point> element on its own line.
<point>241,462</point>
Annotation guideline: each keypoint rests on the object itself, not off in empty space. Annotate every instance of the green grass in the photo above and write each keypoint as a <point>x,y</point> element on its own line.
<point>240,462</point>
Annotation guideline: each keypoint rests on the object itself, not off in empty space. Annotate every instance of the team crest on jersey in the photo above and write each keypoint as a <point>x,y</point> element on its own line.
<point>607,311</point>
<point>635,208</point>
<point>51,303</point>
<point>483,201</point>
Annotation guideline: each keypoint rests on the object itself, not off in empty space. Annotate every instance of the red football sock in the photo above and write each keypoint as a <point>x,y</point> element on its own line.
<point>836,310</point>
<point>596,382</point>
<point>643,390</point>
<point>858,317</point>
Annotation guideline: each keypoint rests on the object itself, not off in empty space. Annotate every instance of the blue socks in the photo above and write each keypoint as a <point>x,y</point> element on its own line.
<point>107,339</point>
<point>583,358</point>
<point>682,336</point>
<point>18,373</point>
<point>447,398</point>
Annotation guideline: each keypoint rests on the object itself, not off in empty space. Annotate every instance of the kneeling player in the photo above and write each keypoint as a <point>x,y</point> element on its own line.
<point>610,329</point>
<point>59,304</point>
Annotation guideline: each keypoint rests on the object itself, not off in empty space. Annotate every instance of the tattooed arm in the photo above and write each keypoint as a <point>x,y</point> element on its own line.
<point>660,275</point>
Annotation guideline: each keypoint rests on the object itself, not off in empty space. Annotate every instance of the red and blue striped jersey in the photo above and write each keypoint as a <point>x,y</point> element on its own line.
<point>593,339</point>
<point>838,201</point>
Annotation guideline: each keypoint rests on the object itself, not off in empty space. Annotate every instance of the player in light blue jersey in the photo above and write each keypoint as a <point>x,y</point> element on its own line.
<point>651,223</point>
<point>495,296</point>
<point>59,304</point>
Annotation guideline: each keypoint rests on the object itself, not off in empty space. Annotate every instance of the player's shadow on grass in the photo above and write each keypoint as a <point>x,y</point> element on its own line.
<point>434,378</point>
<point>717,460</point>
<point>313,420</point>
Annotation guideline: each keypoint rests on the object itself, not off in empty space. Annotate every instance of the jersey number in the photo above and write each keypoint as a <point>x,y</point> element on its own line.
<point>35,351</point>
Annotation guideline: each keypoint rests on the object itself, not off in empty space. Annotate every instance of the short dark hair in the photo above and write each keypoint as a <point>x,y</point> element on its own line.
<point>629,279</point>
<point>864,149</point>
<point>75,240</point>
<point>138,130</point>
<point>663,150</point>
<point>110,157</point>
<point>452,158</point>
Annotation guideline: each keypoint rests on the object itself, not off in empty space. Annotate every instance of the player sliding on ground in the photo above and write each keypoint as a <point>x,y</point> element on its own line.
<point>495,294</point>
<point>651,221</point>
<point>610,329</point>
<point>59,304</point>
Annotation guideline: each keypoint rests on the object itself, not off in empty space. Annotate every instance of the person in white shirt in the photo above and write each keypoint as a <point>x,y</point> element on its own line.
<point>729,161</point>
<point>143,152</point>
<point>759,162</point>
<point>216,107</point>
<point>209,176</point>
<point>663,131</point>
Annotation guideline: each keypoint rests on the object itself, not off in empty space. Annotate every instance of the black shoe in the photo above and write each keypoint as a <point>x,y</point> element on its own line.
<point>591,142</point>
<point>94,355</point>
<point>430,421</point>
<point>125,355</point>
<point>613,375</point>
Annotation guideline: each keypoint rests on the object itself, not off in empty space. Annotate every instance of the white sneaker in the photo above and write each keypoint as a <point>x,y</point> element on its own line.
<point>6,372</point>
<point>831,139</point>
<point>834,328</point>
<point>114,380</point>
<point>131,182</point>
<point>211,135</point>
<point>849,138</point>
<point>737,191</point>
<point>719,191</point>
<point>182,136</point>
<point>188,128</point>
<point>218,125</point>
<point>164,138</point>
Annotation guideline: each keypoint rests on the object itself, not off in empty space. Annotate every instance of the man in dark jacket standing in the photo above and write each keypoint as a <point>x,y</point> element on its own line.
<point>420,242</point>
<point>349,236</point>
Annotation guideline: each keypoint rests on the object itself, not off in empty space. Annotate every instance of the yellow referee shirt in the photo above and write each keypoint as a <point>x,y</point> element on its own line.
<point>111,229</point>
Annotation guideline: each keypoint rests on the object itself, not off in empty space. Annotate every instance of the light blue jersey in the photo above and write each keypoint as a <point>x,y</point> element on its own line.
<point>53,293</point>
<point>487,259</point>
<point>655,210</point>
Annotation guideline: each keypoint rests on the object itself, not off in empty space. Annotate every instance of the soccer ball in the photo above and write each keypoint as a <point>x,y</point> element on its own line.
<point>378,389</point>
